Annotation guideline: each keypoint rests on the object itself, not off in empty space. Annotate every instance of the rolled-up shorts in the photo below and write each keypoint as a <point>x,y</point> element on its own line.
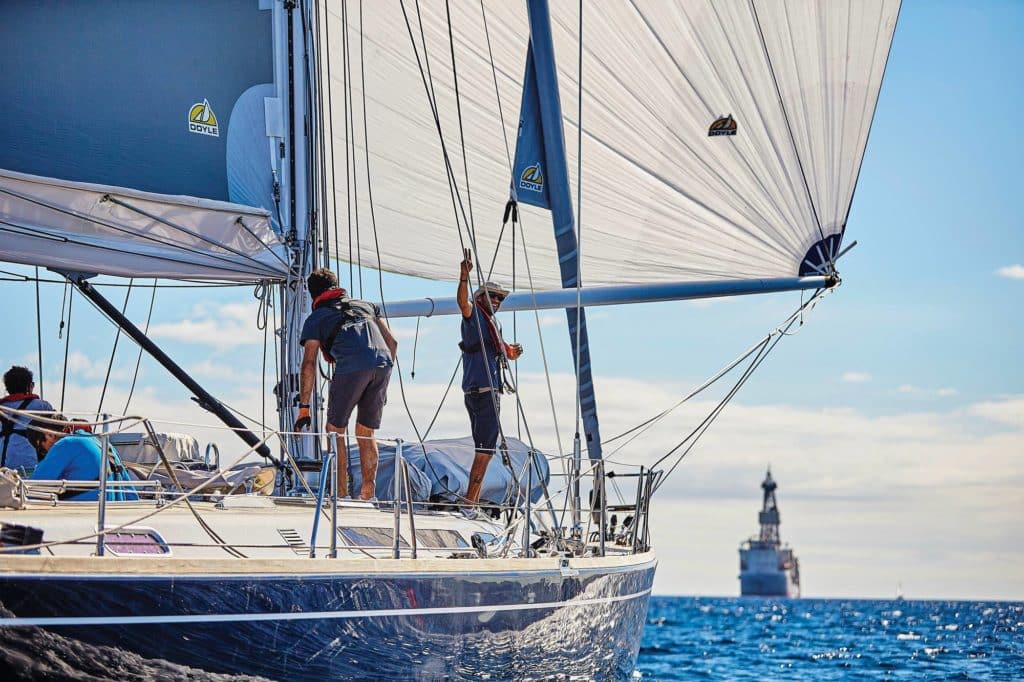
<point>366,389</point>
<point>484,409</point>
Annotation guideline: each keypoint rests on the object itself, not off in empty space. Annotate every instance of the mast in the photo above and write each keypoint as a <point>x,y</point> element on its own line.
<point>769,515</point>
<point>290,55</point>
<point>546,172</point>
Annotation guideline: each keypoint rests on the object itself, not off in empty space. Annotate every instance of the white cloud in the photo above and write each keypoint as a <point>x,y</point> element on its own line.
<point>1008,411</point>
<point>856,377</point>
<point>1011,272</point>
<point>917,391</point>
<point>225,326</point>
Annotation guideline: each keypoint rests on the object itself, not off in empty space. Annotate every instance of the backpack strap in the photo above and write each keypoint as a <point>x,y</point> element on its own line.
<point>8,429</point>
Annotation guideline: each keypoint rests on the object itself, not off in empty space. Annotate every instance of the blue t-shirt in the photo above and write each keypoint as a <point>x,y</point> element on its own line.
<point>20,453</point>
<point>479,369</point>
<point>76,457</point>
<point>359,344</point>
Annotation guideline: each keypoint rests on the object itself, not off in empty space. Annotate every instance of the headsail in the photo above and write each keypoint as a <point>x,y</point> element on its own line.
<point>663,200</point>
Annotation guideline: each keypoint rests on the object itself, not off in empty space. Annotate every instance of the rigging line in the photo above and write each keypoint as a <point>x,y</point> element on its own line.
<point>346,75</point>
<point>330,119</point>
<point>437,412</point>
<point>415,343</point>
<point>579,219</point>
<point>313,160</point>
<point>711,416</point>
<point>319,182</point>
<point>380,277</point>
<point>471,225</point>
<point>644,426</point>
<point>452,182</point>
<point>138,360</point>
<point>366,151</point>
<point>39,334</point>
<point>540,337</point>
<point>429,88</point>
<point>785,117</point>
<point>718,410</point>
<point>515,318</point>
<point>351,122</point>
<point>497,93</point>
<point>462,136</point>
<point>67,346</point>
<point>113,351</point>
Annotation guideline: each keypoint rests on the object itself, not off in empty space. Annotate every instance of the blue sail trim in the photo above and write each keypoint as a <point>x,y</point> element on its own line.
<point>542,112</point>
<point>529,171</point>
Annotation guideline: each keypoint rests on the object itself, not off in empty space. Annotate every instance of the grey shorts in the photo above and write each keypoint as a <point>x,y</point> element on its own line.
<point>367,389</point>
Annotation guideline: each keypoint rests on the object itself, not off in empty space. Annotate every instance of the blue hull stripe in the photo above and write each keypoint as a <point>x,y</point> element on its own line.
<point>311,615</point>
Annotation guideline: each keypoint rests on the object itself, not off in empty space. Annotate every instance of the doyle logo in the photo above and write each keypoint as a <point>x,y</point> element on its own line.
<point>532,178</point>
<point>726,125</point>
<point>202,120</point>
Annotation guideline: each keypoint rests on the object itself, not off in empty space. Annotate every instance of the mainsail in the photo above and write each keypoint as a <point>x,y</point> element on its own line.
<point>142,140</point>
<point>721,140</point>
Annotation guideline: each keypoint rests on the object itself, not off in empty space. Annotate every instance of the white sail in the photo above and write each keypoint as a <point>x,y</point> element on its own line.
<point>662,199</point>
<point>116,231</point>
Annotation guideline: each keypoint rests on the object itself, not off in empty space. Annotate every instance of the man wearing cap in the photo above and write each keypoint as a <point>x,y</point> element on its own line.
<point>482,352</point>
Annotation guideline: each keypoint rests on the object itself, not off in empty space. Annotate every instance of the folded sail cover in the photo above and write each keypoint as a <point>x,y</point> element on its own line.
<point>721,139</point>
<point>115,231</point>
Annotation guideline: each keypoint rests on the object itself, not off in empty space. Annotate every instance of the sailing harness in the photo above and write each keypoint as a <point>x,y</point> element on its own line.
<point>9,425</point>
<point>499,344</point>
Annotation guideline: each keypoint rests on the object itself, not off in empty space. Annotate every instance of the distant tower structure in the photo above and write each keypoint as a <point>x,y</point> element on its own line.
<point>767,567</point>
<point>769,516</point>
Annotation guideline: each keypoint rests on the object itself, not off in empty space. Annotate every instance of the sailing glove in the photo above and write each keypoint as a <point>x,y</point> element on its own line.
<point>304,419</point>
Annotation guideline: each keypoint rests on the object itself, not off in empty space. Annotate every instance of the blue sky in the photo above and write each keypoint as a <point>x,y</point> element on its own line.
<point>897,413</point>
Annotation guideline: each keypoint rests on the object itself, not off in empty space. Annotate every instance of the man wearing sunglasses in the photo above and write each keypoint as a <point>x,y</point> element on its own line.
<point>483,354</point>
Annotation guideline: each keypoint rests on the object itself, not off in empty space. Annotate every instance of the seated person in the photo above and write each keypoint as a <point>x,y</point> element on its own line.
<point>17,452</point>
<point>76,457</point>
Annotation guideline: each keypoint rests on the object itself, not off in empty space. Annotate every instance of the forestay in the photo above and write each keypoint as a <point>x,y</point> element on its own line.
<point>663,199</point>
<point>75,226</point>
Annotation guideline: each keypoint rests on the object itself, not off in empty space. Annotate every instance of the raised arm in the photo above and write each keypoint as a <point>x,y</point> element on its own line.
<point>462,296</point>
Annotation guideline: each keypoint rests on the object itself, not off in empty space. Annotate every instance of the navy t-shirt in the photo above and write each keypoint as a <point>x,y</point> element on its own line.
<point>359,344</point>
<point>476,366</point>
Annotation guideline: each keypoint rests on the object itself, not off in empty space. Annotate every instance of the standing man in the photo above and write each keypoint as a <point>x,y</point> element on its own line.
<point>351,335</point>
<point>17,451</point>
<point>483,352</point>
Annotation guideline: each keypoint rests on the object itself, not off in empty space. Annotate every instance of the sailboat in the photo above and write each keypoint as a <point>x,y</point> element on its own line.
<point>717,150</point>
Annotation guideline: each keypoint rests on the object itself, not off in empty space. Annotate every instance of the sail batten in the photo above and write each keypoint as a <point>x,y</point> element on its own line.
<point>666,196</point>
<point>123,232</point>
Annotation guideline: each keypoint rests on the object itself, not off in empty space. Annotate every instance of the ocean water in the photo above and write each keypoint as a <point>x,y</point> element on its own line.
<point>689,638</point>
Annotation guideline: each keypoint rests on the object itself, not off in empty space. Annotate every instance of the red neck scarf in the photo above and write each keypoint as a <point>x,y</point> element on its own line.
<point>325,299</point>
<point>492,327</point>
<point>328,296</point>
<point>18,397</point>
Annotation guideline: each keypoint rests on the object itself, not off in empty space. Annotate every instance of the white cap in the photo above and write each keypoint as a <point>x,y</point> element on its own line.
<point>490,288</point>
